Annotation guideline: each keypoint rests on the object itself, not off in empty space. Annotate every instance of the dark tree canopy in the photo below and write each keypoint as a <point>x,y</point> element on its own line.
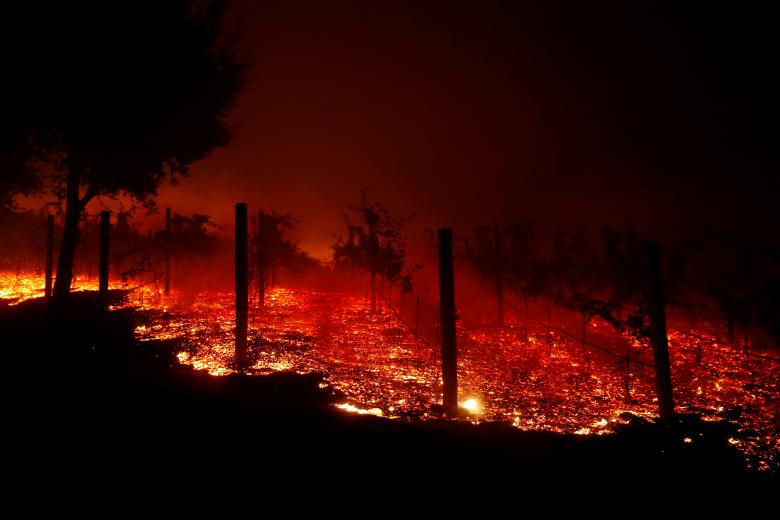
<point>376,243</point>
<point>126,92</point>
<point>277,249</point>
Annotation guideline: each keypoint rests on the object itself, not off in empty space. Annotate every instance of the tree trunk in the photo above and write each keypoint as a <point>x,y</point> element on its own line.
<point>49,255</point>
<point>70,235</point>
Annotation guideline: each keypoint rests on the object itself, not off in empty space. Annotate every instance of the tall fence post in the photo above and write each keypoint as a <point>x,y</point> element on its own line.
<point>261,257</point>
<point>658,337</point>
<point>49,255</point>
<point>168,251</point>
<point>499,279</point>
<point>105,237</point>
<point>417,316</point>
<point>242,284</point>
<point>449,350</point>
<point>372,259</point>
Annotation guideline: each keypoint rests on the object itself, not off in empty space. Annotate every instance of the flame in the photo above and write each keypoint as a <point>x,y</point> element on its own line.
<point>472,405</point>
<point>361,411</point>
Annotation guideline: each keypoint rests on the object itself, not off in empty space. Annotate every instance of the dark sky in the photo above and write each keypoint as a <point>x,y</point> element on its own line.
<point>485,112</point>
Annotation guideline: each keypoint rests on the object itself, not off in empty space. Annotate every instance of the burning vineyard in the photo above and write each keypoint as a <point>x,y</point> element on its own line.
<point>386,364</point>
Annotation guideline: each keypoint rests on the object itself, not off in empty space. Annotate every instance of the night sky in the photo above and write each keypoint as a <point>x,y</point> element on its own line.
<point>485,112</point>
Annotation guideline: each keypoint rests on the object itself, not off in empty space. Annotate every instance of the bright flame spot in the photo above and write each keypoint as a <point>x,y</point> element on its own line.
<point>360,411</point>
<point>277,366</point>
<point>472,405</point>
<point>687,440</point>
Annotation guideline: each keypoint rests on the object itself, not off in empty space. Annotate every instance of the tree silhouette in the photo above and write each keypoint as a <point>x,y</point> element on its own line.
<point>624,267</point>
<point>274,250</point>
<point>116,98</point>
<point>508,252</point>
<point>376,244</point>
<point>15,174</point>
<point>526,276</point>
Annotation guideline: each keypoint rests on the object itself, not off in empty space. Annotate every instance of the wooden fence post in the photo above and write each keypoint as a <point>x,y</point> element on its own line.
<point>658,337</point>
<point>168,251</point>
<point>105,237</point>
<point>260,257</point>
<point>449,351</point>
<point>499,278</point>
<point>242,285</point>
<point>49,255</point>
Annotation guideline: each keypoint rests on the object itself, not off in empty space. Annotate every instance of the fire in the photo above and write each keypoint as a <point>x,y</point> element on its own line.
<point>361,411</point>
<point>16,288</point>
<point>472,405</point>
<point>376,361</point>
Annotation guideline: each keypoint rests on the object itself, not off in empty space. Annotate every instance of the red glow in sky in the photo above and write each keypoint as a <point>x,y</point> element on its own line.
<point>482,113</point>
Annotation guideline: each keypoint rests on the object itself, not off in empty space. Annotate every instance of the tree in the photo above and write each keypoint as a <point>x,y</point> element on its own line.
<point>274,249</point>
<point>15,175</point>
<point>624,267</point>
<point>376,244</point>
<point>115,98</point>
<point>526,275</point>
<point>582,281</point>
<point>506,254</point>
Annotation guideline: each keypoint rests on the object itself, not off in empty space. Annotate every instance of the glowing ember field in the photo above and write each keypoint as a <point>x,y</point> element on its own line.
<point>385,369</point>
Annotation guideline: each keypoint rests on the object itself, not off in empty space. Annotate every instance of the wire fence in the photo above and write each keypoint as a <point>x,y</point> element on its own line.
<point>743,350</point>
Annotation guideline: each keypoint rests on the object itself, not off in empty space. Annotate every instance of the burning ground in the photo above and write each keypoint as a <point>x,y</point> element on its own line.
<point>544,381</point>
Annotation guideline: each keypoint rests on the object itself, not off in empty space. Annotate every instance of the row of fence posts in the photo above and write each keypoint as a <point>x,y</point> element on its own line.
<point>658,335</point>
<point>449,351</point>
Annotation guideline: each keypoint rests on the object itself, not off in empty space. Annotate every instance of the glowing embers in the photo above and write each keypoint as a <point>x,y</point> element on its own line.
<point>374,361</point>
<point>18,287</point>
<point>361,411</point>
<point>532,384</point>
<point>471,406</point>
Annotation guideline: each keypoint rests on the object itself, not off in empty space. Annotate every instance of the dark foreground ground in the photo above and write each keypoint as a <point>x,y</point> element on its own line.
<point>86,406</point>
